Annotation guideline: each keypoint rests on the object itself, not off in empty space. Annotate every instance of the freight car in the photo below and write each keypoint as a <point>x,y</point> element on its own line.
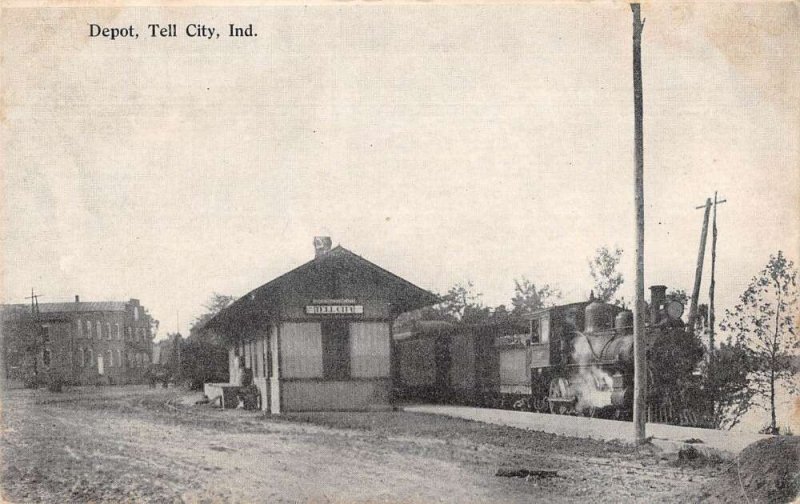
<point>450,363</point>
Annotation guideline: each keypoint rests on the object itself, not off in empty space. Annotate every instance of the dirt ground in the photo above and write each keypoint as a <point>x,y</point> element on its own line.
<point>134,444</point>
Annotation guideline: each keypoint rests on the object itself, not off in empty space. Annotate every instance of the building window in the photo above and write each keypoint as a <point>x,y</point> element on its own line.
<point>119,357</point>
<point>130,334</point>
<point>335,350</point>
<point>99,329</point>
<point>89,329</point>
<point>90,353</point>
<point>119,332</point>
<point>572,318</point>
<point>46,335</point>
<point>108,330</point>
<point>80,328</point>
<point>46,357</point>
<point>544,326</point>
<point>81,358</point>
<point>534,330</point>
<point>110,358</point>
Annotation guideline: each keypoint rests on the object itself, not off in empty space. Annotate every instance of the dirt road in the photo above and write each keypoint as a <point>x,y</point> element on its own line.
<point>133,444</point>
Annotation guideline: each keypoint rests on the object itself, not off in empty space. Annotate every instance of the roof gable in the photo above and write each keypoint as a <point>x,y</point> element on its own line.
<point>330,272</point>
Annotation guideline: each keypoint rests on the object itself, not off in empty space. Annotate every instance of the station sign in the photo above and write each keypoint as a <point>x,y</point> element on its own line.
<point>334,309</point>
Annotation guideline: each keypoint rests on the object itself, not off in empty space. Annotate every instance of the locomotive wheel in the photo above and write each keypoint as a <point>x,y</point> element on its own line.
<point>561,398</point>
<point>540,404</point>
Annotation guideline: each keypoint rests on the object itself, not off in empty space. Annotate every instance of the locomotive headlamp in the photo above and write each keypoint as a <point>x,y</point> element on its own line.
<point>674,310</point>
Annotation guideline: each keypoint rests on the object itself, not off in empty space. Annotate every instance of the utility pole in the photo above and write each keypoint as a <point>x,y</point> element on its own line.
<point>36,329</point>
<point>712,284</point>
<point>639,344</point>
<point>698,274</point>
<point>34,303</point>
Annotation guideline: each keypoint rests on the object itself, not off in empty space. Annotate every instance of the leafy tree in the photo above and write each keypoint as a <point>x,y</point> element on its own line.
<point>603,268</point>
<point>203,361</point>
<point>460,301</point>
<point>500,315</point>
<point>726,393</point>
<point>763,322</point>
<point>671,360</point>
<point>476,314</point>
<point>215,304</point>
<point>204,355</point>
<point>528,297</point>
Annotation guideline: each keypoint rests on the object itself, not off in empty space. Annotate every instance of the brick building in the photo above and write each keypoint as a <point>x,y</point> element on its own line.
<point>108,342</point>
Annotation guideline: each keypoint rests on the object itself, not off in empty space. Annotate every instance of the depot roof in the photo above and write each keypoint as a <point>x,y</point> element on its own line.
<point>263,303</point>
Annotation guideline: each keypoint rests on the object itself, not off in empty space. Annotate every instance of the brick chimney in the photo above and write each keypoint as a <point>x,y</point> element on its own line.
<point>77,298</point>
<point>322,245</point>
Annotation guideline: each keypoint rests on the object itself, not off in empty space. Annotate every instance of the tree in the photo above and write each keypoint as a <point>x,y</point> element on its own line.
<point>528,298</point>
<point>462,301</point>
<point>763,322</point>
<point>603,268</point>
<point>671,360</point>
<point>726,393</point>
<point>215,304</point>
<point>204,355</point>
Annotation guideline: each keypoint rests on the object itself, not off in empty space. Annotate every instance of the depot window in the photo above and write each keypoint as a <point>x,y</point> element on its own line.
<point>335,350</point>
<point>46,358</point>
<point>540,330</point>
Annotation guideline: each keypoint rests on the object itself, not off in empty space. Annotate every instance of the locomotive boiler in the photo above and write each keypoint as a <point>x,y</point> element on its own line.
<point>581,355</point>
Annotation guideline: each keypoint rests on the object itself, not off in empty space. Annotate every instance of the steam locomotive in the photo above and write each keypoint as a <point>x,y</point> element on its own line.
<point>570,359</point>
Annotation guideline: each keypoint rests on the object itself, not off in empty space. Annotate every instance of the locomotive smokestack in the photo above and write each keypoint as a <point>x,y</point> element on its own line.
<point>658,298</point>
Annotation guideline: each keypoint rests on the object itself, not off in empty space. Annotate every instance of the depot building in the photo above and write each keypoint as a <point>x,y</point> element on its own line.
<point>320,336</point>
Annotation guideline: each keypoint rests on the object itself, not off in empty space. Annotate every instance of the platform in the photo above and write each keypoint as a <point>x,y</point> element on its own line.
<point>725,444</point>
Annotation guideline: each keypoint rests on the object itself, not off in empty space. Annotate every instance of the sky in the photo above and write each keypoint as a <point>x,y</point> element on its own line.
<point>446,143</point>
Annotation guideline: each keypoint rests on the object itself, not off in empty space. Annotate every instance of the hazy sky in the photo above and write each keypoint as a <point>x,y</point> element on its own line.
<point>444,143</point>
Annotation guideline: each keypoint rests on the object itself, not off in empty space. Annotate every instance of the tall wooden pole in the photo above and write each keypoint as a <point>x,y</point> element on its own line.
<point>698,274</point>
<point>712,283</point>
<point>711,318</point>
<point>639,344</point>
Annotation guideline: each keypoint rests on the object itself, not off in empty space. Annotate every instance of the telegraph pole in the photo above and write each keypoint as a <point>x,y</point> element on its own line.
<point>36,328</point>
<point>639,344</point>
<point>34,303</point>
<point>698,274</point>
<point>712,284</point>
